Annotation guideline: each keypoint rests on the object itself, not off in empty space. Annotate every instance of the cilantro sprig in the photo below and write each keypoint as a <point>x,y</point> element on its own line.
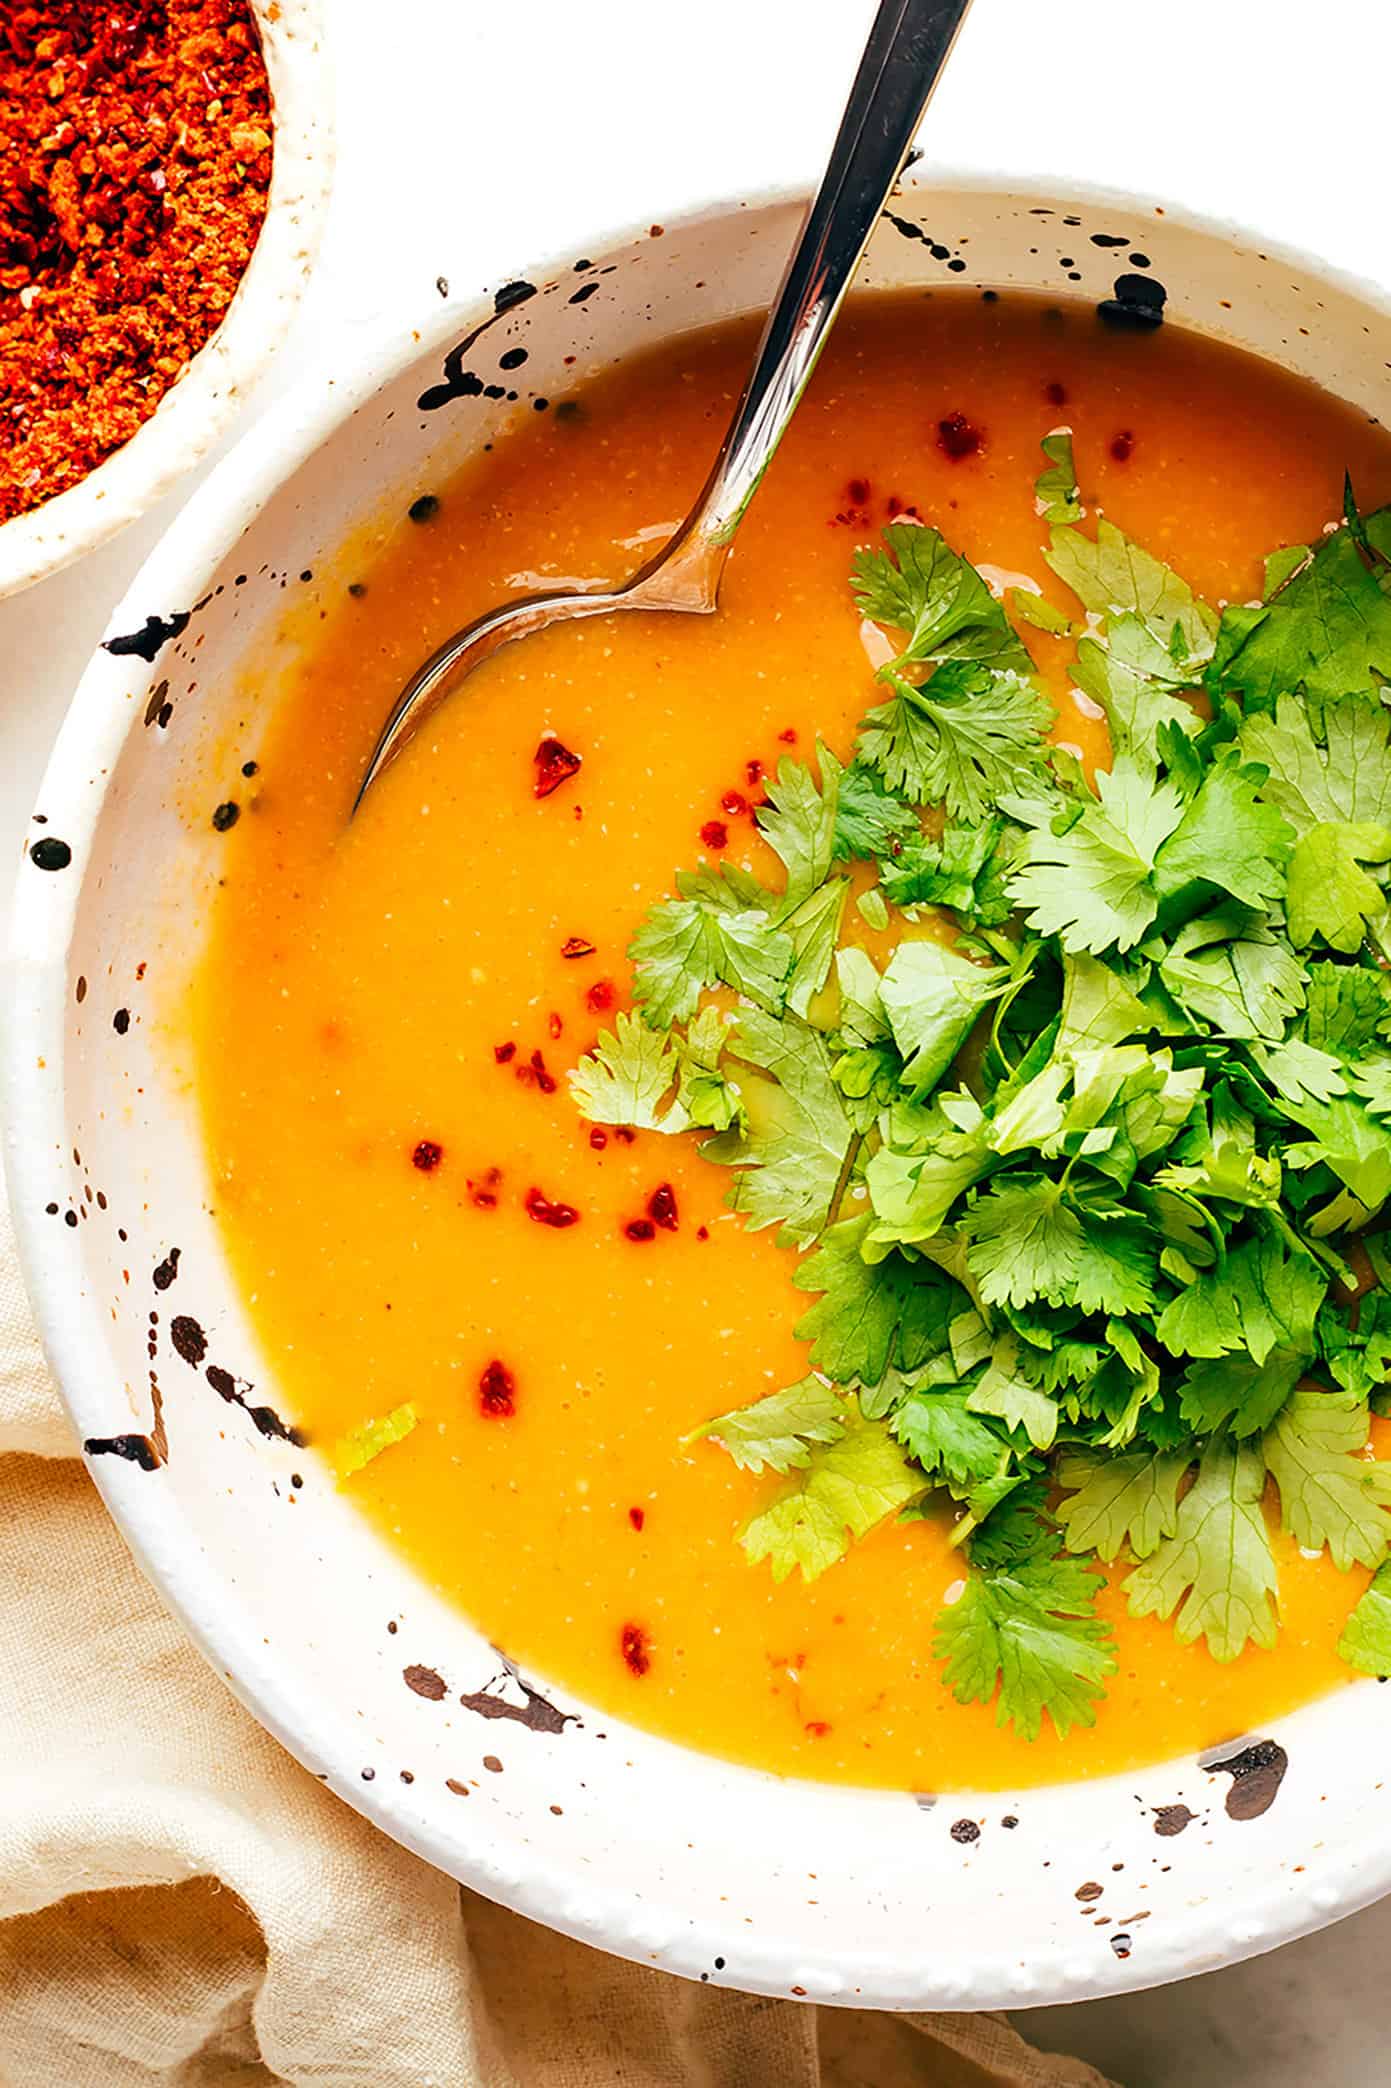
<point>1083,1177</point>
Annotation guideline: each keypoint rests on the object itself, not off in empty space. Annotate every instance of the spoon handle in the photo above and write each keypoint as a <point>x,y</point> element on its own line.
<point>908,46</point>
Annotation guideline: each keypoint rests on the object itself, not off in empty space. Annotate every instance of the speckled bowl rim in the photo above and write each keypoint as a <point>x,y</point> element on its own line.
<point>1222,1929</point>
<point>199,408</point>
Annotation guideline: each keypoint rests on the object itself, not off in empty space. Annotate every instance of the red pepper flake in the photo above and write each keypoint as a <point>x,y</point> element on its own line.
<point>427,1155</point>
<point>957,437</point>
<point>817,1728</point>
<point>636,1518</point>
<point>504,1052</point>
<point>754,771</point>
<point>624,1134</point>
<point>537,1071</point>
<point>600,995</point>
<point>576,946</point>
<point>661,1207</point>
<point>545,1212</point>
<point>497,1392</point>
<point>598,1139</point>
<point>555,764</point>
<point>637,1648</point>
<point>640,1229</point>
<point>899,507</point>
<point>734,803</point>
<point>1123,446</point>
<point>1055,393</point>
<point>138,140</point>
<point>483,1193</point>
<point>554,1023</point>
<point>858,489</point>
<point>702,1232</point>
<point>788,736</point>
<point>715,834</point>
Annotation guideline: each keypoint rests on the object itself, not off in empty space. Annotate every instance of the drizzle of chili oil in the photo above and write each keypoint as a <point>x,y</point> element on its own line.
<point>497,1391</point>
<point>636,1517</point>
<point>555,764</point>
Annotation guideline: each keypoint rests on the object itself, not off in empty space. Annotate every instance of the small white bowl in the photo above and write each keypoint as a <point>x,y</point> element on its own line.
<point>871,1898</point>
<point>198,408</point>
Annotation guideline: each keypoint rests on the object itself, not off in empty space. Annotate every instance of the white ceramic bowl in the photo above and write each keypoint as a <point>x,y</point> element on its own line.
<point>669,1857</point>
<point>196,410</point>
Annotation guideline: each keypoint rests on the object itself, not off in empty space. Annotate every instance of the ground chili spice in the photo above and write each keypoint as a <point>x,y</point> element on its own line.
<point>135,158</point>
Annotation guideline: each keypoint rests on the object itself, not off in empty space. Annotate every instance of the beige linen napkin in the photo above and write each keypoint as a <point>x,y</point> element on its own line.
<point>182,1906</point>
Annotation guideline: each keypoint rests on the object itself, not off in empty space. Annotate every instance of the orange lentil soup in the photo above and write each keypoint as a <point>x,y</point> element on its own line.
<point>408,992</point>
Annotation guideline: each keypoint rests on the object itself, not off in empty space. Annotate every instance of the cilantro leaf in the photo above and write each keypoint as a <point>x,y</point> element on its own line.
<point>781,1431</point>
<point>932,997</point>
<point>1329,1493</point>
<point>629,1076</point>
<point>947,1437</point>
<point>1327,631</point>
<point>1227,839</point>
<point>790,1160</point>
<point>799,824</point>
<point>1025,1632</point>
<point>1007,1391</point>
<point>1230,971</point>
<point>705,938</point>
<point>961,869</point>
<point>913,1186</point>
<point>1135,678</point>
<point>845,1490</point>
<point>1092,886</point>
<point>1238,1393</point>
<point>1056,498</point>
<point>1111,574</point>
<point>920,586</point>
<point>871,1314</point>
<point>360,1445</point>
<point>1366,1639</point>
<point>1024,1241</point>
<point>1347,1008</point>
<point>1264,1296</point>
<point>963,740</point>
<point>1343,776</point>
<point>869,822</point>
<point>1331,894</point>
<point>1122,1501</point>
<point>1216,1569</point>
<point>1346,1138</point>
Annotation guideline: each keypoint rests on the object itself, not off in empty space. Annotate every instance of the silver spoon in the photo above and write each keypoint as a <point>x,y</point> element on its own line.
<point>908,46</point>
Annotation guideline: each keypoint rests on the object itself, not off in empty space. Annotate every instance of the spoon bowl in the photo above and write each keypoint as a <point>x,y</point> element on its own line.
<point>909,45</point>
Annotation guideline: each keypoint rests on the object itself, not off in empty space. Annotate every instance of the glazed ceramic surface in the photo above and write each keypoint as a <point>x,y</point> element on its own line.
<point>198,409</point>
<point>383,1690</point>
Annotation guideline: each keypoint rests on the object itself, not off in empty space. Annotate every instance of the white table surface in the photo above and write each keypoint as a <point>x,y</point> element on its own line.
<point>474,137</point>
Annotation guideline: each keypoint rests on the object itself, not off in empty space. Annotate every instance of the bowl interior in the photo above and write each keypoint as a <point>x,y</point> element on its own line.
<point>666,1856</point>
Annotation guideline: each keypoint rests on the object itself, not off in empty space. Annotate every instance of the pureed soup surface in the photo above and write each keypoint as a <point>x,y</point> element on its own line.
<point>385,1017</point>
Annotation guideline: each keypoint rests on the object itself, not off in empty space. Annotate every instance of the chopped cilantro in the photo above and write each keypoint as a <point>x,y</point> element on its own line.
<point>1076,1171</point>
<point>781,1431</point>
<point>845,1490</point>
<point>360,1445</point>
